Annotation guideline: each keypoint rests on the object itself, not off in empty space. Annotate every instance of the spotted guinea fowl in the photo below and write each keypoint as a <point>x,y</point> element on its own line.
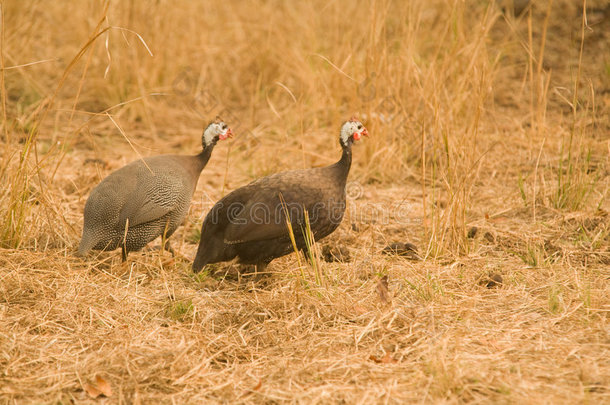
<point>250,222</point>
<point>146,199</point>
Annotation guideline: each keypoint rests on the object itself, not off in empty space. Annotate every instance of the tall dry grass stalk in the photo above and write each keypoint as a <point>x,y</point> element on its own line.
<point>574,183</point>
<point>571,175</point>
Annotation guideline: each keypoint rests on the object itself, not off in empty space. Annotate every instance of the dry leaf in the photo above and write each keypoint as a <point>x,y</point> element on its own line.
<point>92,391</point>
<point>386,359</point>
<point>103,385</point>
<point>359,309</point>
<point>382,289</point>
<point>497,220</point>
<point>253,390</point>
<point>100,387</point>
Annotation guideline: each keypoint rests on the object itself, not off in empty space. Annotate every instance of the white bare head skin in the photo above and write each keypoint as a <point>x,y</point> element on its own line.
<point>352,130</point>
<point>217,130</point>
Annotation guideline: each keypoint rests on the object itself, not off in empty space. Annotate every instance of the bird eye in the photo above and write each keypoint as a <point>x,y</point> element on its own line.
<point>359,127</point>
<point>224,126</point>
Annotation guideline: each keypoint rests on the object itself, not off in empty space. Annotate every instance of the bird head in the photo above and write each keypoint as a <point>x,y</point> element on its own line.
<point>217,130</point>
<point>352,130</point>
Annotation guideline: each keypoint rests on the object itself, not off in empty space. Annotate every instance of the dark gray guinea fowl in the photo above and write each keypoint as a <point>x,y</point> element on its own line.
<point>250,222</point>
<point>146,199</point>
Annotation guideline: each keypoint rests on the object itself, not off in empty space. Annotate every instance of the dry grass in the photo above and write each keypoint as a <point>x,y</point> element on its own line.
<point>477,118</point>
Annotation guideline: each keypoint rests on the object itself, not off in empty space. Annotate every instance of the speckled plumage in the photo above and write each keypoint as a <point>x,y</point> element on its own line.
<point>141,201</point>
<point>250,223</point>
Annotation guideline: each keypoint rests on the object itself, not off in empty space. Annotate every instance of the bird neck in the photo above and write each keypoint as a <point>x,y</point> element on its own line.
<point>205,154</point>
<point>344,164</point>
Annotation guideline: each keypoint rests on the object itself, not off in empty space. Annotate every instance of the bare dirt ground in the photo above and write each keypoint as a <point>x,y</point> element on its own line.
<point>489,151</point>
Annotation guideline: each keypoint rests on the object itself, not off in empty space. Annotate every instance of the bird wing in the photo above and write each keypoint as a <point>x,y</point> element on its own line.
<point>243,228</point>
<point>258,213</point>
<point>152,199</point>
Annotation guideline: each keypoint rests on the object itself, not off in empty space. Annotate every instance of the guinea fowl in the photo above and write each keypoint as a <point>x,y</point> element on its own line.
<point>146,199</point>
<point>250,222</point>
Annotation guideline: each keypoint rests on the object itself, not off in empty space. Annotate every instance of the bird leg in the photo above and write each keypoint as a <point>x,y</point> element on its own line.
<point>123,253</point>
<point>169,248</point>
<point>260,267</point>
<point>255,270</point>
<point>123,246</point>
<point>247,269</point>
<point>165,240</point>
